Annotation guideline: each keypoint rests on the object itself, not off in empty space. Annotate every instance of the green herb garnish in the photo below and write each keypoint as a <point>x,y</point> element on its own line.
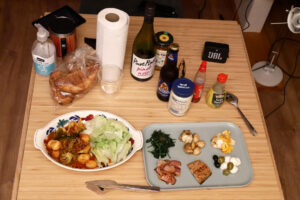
<point>161,143</point>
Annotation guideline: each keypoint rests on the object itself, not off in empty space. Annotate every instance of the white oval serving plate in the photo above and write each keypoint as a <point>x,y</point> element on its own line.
<point>42,134</point>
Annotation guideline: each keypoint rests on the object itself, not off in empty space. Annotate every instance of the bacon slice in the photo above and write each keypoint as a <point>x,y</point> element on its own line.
<point>166,170</point>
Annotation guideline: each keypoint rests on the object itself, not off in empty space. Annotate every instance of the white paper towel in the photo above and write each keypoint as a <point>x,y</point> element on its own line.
<point>112,30</point>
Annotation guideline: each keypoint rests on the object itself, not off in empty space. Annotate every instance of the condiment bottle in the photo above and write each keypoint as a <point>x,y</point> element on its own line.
<point>216,95</point>
<point>143,50</point>
<point>168,74</point>
<point>43,52</point>
<point>181,96</point>
<point>199,82</point>
<point>163,40</point>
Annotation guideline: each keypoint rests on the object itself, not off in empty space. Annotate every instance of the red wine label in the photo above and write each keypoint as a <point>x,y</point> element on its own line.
<point>142,68</point>
<point>198,91</point>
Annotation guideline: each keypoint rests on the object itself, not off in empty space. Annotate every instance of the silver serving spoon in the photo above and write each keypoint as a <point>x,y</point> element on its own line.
<point>102,186</point>
<point>232,99</point>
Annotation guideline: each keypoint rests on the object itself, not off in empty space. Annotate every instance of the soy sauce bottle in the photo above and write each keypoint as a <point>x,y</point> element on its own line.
<point>168,74</point>
<point>143,50</point>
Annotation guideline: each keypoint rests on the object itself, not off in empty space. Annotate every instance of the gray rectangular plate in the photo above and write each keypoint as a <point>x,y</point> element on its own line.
<point>206,131</point>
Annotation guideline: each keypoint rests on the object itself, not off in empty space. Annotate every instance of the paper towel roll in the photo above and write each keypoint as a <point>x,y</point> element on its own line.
<point>112,30</point>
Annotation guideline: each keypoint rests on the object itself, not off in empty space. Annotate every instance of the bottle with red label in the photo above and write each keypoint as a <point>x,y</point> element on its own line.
<point>199,82</point>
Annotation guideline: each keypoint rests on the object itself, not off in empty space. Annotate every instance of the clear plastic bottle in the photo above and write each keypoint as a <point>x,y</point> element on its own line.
<point>216,94</point>
<point>43,52</point>
<point>199,82</point>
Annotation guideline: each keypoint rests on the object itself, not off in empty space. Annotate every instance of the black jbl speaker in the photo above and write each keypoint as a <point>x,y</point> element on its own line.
<point>215,52</point>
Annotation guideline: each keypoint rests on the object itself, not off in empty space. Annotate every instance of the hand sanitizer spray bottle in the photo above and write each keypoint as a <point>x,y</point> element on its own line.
<point>43,52</point>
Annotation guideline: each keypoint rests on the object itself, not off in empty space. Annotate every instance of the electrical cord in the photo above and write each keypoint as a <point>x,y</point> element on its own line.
<point>246,16</point>
<point>290,75</point>
<point>284,39</point>
<point>201,10</point>
<point>237,10</point>
<point>284,89</point>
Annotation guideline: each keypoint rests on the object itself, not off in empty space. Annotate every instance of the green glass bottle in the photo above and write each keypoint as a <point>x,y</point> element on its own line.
<point>143,50</point>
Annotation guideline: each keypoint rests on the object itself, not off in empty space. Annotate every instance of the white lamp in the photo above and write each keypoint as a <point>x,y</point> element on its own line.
<point>266,73</point>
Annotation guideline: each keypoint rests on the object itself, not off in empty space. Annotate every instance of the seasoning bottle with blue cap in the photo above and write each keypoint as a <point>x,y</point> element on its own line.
<point>181,96</point>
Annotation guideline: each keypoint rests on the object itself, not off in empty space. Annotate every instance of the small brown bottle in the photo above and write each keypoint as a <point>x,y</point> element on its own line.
<point>168,74</point>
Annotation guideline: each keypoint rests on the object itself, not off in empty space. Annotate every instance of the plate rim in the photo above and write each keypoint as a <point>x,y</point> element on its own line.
<point>136,146</point>
<point>200,186</point>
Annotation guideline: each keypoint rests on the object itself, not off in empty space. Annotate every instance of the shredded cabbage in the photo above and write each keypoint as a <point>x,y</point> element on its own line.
<point>109,140</point>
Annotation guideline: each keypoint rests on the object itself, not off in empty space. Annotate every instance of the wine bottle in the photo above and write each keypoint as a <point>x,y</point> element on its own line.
<point>143,50</point>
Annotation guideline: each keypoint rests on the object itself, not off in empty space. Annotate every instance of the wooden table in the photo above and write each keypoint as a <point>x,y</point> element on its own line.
<point>38,178</point>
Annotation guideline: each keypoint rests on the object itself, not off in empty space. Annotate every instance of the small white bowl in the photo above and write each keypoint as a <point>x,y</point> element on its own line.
<point>42,134</point>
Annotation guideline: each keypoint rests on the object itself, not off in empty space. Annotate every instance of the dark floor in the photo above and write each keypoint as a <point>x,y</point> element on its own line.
<point>17,35</point>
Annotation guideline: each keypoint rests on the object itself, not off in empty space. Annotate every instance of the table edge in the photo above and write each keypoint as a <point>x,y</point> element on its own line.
<point>28,108</point>
<point>15,188</point>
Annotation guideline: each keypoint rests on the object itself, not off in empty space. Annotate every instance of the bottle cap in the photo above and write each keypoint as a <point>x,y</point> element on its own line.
<point>222,78</point>
<point>183,87</point>
<point>42,34</point>
<point>150,10</point>
<point>174,47</point>
<point>163,38</point>
<point>202,67</point>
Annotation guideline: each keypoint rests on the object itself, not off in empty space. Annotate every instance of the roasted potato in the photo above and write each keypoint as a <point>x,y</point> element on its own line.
<point>86,149</point>
<point>83,158</point>
<point>91,164</point>
<point>85,138</point>
<point>54,145</point>
<point>55,154</point>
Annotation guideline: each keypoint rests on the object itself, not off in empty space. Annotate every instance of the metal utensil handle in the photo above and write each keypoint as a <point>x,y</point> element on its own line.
<point>251,128</point>
<point>139,187</point>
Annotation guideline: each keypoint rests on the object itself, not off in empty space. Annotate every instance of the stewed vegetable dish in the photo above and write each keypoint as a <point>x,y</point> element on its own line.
<point>70,146</point>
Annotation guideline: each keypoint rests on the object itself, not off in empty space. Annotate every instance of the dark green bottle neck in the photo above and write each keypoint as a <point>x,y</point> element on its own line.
<point>147,28</point>
<point>148,19</point>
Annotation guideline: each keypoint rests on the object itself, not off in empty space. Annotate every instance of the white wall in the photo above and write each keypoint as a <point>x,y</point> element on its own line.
<point>258,12</point>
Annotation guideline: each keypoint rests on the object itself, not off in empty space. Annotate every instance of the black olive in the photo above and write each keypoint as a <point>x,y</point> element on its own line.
<point>217,164</point>
<point>215,157</point>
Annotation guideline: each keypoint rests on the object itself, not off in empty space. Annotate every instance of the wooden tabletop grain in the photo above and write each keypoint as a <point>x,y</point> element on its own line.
<point>39,179</point>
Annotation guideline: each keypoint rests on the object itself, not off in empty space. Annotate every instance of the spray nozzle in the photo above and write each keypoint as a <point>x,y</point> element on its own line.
<point>42,34</point>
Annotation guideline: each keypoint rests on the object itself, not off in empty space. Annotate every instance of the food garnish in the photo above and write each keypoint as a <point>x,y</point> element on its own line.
<point>228,164</point>
<point>110,140</point>
<point>166,170</point>
<point>223,141</point>
<point>200,170</point>
<point>161,142</point>
<point>193,144</point>
<point>70,146</point>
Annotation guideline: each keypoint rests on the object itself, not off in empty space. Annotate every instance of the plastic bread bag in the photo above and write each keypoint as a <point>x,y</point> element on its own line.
<point>75,75</point>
